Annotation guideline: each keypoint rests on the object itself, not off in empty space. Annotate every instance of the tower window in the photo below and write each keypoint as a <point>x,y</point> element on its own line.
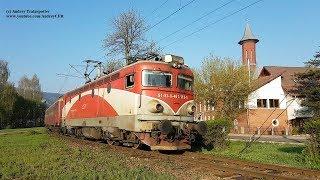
<point>246,55</point>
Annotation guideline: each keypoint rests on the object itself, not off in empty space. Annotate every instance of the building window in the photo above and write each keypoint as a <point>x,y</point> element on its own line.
<point>275,122</point>
<point>129,81</point>
<point>246,55</point>
<point>274,103</point>
<point>262,103</point>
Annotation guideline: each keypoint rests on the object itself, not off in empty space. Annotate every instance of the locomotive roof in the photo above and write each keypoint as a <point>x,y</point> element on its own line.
<point>117,71</point>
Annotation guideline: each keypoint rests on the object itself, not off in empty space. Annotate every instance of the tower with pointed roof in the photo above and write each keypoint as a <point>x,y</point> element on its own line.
<point>248,43</point>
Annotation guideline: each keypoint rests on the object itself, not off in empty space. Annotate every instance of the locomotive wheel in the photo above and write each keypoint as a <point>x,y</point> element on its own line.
<point>113,143</point>
<point>136,145</point>
<point>64,130</point>
<point>110,142</point>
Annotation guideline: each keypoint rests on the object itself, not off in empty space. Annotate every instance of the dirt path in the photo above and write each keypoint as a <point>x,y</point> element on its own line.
<point>193,165</point>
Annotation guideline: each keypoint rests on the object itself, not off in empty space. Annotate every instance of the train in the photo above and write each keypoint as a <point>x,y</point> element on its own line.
<point>149,102</point>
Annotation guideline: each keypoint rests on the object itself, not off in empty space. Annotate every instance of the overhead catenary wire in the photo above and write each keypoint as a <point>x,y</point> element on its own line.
<point>198,19</point>
<point>167,17</point>
<point>76,70</point>
<point>68,75</point>
<point>162,4</point>
<point>64,81</point>
<point>212,23</point>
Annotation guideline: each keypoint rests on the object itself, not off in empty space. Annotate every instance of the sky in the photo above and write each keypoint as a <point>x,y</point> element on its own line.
<point>288,31</point>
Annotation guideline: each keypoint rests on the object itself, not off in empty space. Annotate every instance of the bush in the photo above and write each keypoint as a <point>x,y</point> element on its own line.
<point>313,145</point>
<point>217,132</point>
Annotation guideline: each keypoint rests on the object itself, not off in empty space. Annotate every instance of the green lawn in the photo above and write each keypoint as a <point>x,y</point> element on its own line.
<point>21,130</point>
<point>34,154</point>
<point>271,153</point>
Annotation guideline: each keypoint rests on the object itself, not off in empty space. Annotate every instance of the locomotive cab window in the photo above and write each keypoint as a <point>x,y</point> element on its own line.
<point>129,80</point>
<point>156,78</point>
<point>185,82</point>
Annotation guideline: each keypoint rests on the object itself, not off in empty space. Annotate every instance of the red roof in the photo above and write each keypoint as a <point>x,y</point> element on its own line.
<point>269,73</point>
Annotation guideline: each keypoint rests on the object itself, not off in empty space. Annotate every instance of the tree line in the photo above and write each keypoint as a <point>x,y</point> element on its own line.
<point>308,87</point>
<point>20,106</point>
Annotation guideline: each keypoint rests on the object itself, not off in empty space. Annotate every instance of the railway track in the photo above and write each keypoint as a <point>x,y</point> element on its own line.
<point>191,165</point>
<point>252,170</point>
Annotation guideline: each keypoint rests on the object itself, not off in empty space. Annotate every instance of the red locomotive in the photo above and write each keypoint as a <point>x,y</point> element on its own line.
<point>147,102</point>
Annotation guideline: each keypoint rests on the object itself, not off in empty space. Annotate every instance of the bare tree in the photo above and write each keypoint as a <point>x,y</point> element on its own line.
<point>128,37</point>
<point>224,84</point>
<point>30,88</point>
<point>36,88</point>
<point>4,73</point>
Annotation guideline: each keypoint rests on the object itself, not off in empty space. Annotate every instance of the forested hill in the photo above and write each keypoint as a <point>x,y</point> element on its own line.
<point>50,98</point>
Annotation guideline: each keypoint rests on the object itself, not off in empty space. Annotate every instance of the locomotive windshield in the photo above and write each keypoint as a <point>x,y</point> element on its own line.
<point>185,82</point>
<point>156,78</point>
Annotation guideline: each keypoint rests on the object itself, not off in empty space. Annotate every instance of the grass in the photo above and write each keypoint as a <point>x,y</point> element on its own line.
<point>270,153</point>
<point>34,154</point>
<point>21,130</point>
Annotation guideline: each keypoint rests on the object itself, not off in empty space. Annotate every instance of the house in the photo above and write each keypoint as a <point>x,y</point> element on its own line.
<point>273,107</point>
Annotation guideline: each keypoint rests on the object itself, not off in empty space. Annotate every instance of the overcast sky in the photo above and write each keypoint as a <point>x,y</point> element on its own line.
<point>288,31</point>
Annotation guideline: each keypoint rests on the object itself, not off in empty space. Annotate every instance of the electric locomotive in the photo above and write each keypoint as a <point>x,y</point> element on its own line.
<point>147,102</point>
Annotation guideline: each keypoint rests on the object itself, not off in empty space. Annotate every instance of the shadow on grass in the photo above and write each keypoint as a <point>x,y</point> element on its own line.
<point>172,152</point>
<point>292,150</point>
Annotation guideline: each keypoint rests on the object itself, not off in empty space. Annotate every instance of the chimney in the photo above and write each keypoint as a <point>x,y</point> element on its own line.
<point>248,43</point>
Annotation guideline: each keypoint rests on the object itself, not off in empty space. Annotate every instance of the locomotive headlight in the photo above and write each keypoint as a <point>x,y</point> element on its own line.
<point>159,108</point>
<point>191,109</point>
<point>155,106</point>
